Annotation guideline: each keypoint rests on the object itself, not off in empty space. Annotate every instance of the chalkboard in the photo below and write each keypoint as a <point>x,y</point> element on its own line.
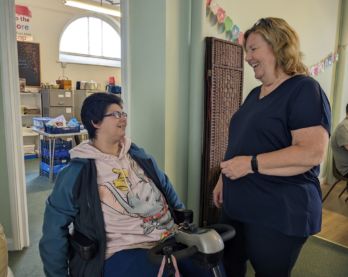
<point>29,62</point>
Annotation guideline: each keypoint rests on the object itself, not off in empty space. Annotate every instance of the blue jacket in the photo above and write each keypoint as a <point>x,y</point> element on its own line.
<point>75,199</point>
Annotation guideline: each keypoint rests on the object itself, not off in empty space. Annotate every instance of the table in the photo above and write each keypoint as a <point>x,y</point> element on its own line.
<point>51,145</point>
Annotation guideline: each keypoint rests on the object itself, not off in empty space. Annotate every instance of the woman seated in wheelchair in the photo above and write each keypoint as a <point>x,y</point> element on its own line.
<point>119,201</point>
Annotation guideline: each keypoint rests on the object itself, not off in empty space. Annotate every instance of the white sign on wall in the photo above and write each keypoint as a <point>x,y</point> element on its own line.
<point>23,23</point>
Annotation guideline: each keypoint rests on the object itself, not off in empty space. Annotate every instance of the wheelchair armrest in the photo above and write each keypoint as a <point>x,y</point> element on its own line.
<point>83,245</point>
<point>182,215</point>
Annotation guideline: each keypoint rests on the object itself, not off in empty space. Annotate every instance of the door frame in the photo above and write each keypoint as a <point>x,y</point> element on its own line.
<point>11,105</point>
<point>13,137</point>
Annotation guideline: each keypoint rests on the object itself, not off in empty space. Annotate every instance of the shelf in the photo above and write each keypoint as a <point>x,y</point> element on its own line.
<point>28,132</point>
<point>30,93</point>
<point>38,115</point>
<point>29,135</point>
<point>30,108</point>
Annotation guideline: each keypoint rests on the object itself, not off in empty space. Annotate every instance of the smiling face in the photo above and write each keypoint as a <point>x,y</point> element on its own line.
<point>260,56</point>
<point>111,128</point>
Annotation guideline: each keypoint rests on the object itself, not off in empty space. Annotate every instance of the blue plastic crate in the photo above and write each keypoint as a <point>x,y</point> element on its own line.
<point>59,154</point>
<point>56,161</point>
<point>39,122</point>
<point>61,130</point>
<point>60,144</point>
<point>30,156</point>
<point>56,168</point>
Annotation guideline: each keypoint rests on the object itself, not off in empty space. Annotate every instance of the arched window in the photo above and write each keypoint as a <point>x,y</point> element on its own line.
<point>90,40</point>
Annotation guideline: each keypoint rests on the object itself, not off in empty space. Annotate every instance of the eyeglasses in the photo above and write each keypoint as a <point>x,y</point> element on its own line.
<point>117,114</point>
<point>263,22</point>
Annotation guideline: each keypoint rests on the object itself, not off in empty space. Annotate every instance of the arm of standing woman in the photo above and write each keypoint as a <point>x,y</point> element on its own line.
<point>307,150</point>
<point>217,193</point>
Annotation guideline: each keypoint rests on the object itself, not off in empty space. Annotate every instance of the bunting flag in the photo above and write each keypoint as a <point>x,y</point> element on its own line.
<point>329,60</point>
<point>217,16</point>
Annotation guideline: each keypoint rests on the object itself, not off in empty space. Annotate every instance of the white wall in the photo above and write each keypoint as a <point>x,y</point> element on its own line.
<point>49,17</point>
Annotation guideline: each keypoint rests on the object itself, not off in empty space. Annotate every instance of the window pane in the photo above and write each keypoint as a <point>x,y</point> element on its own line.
<point>88,60</point>
<point>111,42</point>
<point>95,36</point>
<point>71,42</point>
<point>90,40</point>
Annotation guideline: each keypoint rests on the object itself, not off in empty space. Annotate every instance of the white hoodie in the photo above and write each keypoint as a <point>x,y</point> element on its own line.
<point>135,212</point>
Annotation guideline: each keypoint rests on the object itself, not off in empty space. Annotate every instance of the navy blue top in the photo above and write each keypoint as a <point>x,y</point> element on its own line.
<point>291,205</point>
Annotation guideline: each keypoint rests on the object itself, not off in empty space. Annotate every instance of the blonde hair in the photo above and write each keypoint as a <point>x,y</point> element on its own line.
<point>284,41</point>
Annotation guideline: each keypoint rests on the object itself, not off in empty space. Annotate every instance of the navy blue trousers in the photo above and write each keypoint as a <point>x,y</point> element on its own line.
<point>271,253</point>
<point>135,263</point>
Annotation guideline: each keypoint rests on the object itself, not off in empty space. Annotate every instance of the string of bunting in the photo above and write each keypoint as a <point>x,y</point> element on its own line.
<point>321,66</point>
<point>217,16</point>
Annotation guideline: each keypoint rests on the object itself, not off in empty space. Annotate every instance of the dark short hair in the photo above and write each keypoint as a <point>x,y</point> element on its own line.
<point>93,109</point>
<point>347,109</point>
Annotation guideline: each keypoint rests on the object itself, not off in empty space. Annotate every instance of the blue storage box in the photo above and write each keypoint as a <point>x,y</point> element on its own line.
<point>56,168</point>
<point>56,161</point>
<point>39,122</point>
<point>59,154</point>
<point>61,130</point>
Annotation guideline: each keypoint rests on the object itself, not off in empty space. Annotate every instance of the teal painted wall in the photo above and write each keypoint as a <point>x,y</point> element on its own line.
<point>196,106</point>
<point>178,14</point>
<point>5,216</point>
<point>159,46</point>
<point>147,75</point>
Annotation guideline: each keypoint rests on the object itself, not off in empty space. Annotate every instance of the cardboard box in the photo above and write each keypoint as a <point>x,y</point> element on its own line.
<point>64,84</point>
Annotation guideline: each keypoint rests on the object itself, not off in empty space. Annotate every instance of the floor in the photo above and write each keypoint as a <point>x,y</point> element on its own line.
<point>335,215</point>
<point>27,262</point>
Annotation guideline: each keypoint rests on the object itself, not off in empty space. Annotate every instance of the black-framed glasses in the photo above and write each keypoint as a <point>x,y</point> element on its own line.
<point>117,114</point>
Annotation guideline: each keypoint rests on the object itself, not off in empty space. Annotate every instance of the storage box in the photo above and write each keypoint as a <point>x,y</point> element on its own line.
<point>45,168</point>
<point>64,84</point>
<point>61,130</point>
<point>57,161</point>
<point>39,122</point>
<point>61,151</point>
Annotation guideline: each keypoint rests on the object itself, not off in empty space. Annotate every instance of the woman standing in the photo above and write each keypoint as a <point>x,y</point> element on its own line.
<point>269,188</point>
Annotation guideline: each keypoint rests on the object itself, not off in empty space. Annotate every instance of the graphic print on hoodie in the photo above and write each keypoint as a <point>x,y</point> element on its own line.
<point>135,211</point>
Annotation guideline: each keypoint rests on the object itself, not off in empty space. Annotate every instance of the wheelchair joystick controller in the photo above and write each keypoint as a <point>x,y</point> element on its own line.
<point>203,244</point>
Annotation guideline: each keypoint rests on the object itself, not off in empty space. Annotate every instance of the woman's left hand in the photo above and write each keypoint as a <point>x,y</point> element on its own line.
<point>236,167</point>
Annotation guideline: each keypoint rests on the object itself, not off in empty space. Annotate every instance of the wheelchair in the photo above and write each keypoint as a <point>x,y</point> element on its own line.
<point>205,245</point>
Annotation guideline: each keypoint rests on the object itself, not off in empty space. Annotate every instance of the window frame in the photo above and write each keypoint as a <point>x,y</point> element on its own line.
<point>92,59</point>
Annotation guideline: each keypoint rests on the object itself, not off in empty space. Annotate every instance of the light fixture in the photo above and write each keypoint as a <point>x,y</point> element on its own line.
<point>91,7</point>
